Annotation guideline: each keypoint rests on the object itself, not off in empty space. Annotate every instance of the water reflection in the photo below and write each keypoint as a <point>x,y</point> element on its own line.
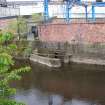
<point>35,97</point>
<point>32,97</point>
<point>69,86</point>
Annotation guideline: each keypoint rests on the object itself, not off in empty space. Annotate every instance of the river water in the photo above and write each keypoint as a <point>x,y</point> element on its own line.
<point>70,85</point>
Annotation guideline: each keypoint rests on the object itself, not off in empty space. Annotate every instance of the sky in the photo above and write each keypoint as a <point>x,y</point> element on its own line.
<point>20,0</point>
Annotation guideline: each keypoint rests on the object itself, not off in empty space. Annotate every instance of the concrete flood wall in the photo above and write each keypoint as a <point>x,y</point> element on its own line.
<point>96,50</point>
<point>78,53</point>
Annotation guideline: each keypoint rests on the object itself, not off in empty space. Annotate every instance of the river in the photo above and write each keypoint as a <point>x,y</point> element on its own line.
<point>70,85</point>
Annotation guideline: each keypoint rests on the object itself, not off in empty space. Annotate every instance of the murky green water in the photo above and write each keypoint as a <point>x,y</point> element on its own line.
<point>69,85</point>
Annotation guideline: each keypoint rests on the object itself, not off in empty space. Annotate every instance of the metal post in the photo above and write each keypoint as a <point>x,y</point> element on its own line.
<point>18,27</point>
<point>46,13</point>
<point>93,12</point>
<point>86,12</point>
<point>67,11</point>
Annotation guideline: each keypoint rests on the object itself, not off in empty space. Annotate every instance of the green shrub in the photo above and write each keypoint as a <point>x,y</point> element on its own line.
<point>6,73</point>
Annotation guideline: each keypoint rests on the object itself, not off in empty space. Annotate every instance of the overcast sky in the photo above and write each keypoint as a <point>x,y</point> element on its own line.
<point>20,0</point>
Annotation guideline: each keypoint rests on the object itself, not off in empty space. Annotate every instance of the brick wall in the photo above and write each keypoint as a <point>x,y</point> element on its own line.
<point>4,22</point>
<point>80,32</point>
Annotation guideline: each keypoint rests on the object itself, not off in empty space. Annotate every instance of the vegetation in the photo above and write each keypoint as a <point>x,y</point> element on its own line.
<point>19,26</point>
<point>37,17</point>
<point>6,72</point>
<point>24,48</point>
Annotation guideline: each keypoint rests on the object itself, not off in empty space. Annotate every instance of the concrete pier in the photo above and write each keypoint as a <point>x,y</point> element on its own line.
<point>51,62</point>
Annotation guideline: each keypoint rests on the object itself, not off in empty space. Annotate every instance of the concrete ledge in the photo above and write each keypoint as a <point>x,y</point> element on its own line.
<point>87,61</point>
<point>51,62</point>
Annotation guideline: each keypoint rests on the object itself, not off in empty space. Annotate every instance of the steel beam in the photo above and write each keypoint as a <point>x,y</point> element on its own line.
<point>99,4</point>
<point>86,12</point>
<point>46,12</point>
<point>67,11</point>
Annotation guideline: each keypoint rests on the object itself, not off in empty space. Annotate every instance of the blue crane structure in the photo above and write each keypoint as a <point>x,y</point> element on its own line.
<point>70,3</point>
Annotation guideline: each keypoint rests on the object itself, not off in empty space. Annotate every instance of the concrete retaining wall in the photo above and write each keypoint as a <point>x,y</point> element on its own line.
<point>96,50</point>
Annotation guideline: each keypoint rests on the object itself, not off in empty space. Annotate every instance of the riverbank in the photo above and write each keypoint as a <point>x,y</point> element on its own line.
<point>56,54</point>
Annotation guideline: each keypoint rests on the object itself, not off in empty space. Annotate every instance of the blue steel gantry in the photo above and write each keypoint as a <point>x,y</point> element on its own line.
<point>46,12</point>
<point>70,3</point>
